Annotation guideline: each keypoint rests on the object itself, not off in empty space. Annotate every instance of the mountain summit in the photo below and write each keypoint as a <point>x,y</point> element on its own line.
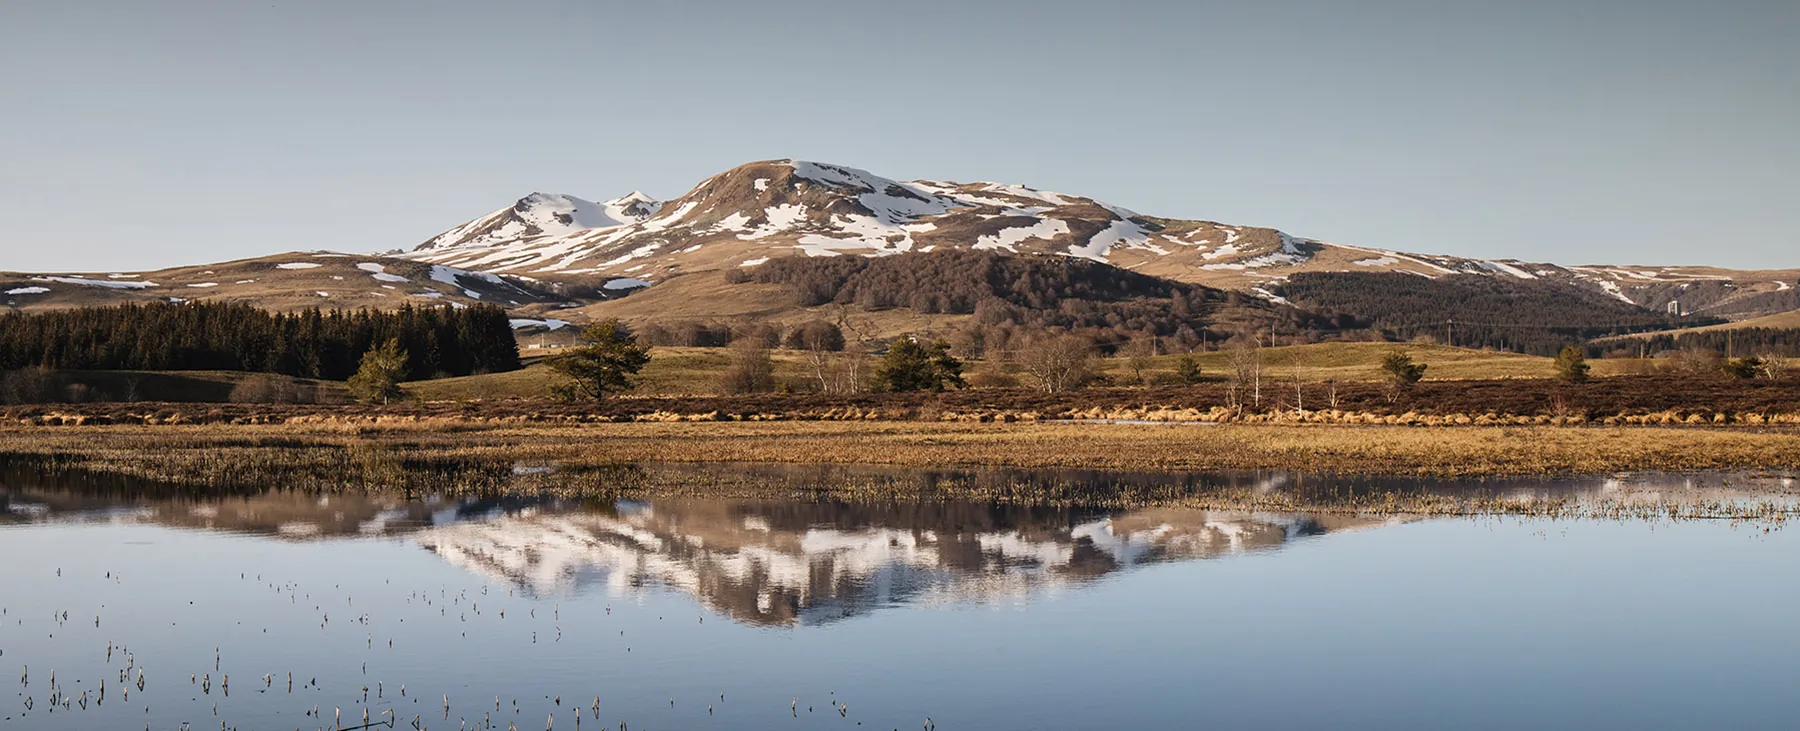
<point>762,210</point>
<point>751,213</point>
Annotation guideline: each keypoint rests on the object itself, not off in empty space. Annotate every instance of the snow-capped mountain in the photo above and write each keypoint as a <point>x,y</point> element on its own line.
<point>544,215</point>
<point>547,252</point>
<point>790,207</point>
<point>747,215</point>
<point>291,281</point>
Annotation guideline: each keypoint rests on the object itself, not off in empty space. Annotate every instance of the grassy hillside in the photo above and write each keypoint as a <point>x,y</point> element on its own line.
<point>696,371</point>
<point>1779,321</point>
<point>672,371</point>
<point>1520,315</point>
<point>706,296</point>
<point>1362,362</point>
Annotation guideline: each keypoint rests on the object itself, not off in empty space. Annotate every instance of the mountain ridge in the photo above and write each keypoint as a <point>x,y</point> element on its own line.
<point>757,211</point>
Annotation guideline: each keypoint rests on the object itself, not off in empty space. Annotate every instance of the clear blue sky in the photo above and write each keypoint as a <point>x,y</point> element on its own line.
<point>141,135</point>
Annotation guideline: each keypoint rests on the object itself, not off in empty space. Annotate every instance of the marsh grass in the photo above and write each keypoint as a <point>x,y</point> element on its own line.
<point>1109,466</point>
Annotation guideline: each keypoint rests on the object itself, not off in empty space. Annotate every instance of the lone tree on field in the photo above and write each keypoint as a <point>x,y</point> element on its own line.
<point>751,370</point>
<point>1401,373</point>
<point>1571,365</point>
<point>1060,363</point>
<point>912,366</point>
<point>377,379</point>
<point>605,365</point>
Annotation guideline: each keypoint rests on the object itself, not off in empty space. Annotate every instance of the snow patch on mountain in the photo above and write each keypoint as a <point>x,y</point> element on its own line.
<point>777,219</point>
<point>738,221</point>
<point>1010,238</point>
<point>448,275</point>
<point>1612,288</point>
<point>1123,232</point>
<point>104,283</point>
<point>547,324</point>
<point>1021,191</point>
<point>379,272</point>
<point>1503,268</point>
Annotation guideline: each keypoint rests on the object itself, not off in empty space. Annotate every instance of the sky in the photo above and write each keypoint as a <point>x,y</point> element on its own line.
<point>141,135</point>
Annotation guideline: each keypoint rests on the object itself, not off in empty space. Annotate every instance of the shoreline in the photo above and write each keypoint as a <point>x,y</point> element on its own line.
<point>1340,450</point>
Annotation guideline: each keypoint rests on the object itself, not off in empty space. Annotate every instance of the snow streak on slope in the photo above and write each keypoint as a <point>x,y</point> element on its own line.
<point>1010,238</point>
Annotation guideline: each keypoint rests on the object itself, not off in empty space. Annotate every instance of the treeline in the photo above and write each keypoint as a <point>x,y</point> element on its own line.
<point>1757,341</point>
<point>1471,311</point>
<point>811,335</point>
<point>440,341</point>
<point>1035,293</point>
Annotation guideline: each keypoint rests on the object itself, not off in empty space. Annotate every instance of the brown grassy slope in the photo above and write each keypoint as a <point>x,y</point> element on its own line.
<point>1779,321</point>
<point>707,297</point>
<point>1361,361</point>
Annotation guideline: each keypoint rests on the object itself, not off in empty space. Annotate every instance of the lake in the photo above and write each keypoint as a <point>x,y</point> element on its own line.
<point>253,610</point>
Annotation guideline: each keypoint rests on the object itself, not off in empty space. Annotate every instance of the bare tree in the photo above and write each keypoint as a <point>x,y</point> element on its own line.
<point>1059,363</point>
<point>1138,354</point>
<point>751,369</point>
<point>1773,367</point>
<point>822,342</point>
<point>1246,371</point>
<point>859,340</point>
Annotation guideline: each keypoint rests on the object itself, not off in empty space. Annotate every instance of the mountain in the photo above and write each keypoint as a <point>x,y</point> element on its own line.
<point>541,215</point>
<point>763,210</point>
<point>704,257</point>
<point>284,282</point>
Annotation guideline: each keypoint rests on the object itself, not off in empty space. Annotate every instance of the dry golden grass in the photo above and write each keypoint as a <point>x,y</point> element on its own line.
<point>1353,361</point>
<point>672,371</point>
<point>1305,448</point>
<point>697,370</point>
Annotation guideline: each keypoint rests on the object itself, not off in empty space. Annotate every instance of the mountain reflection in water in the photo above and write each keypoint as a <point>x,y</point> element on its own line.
<point>786,563</point>
<point>765,562</point>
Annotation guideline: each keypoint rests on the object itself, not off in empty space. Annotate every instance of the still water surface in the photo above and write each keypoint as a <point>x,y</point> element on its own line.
<point>695,614</point>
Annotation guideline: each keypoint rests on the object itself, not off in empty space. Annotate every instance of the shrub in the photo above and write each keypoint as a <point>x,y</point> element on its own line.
<point>751,369</point>
<point>1187,370</point>
<point>29,385</point>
